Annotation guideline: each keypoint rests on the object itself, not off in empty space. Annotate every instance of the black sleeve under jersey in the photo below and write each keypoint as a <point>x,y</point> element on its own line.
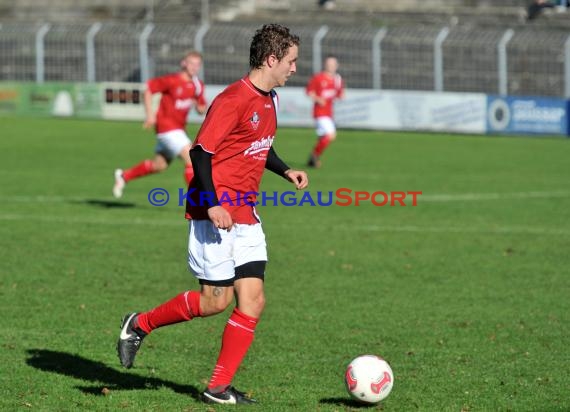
<point>275,164</point>
<point>202,164</point>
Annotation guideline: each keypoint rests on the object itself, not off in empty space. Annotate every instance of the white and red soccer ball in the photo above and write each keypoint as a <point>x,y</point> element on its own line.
<point>369,378</point>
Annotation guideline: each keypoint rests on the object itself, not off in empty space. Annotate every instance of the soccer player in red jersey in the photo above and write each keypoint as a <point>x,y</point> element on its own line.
<point>226,249</point>
<point>180,92</point>
<point>323,89</point>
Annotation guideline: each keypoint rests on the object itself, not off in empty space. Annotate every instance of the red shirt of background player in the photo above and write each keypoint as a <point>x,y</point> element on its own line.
<point>178,97</point>
<point>329,87</point>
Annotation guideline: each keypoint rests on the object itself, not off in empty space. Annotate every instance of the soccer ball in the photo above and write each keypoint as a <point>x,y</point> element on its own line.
<point>369,378</point>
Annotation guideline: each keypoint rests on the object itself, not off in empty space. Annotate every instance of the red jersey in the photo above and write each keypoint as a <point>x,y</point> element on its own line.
<point>178,97</point>
<point>238,131</point>
<point>328,87</point>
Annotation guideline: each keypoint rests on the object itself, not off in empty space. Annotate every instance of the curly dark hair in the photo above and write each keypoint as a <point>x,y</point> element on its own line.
<point>270,39</point>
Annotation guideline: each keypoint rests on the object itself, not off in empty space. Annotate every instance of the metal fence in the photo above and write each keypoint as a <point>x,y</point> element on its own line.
<point>495,61</point>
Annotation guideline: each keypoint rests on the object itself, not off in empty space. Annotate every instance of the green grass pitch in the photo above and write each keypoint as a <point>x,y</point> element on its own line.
<point>467,294</point>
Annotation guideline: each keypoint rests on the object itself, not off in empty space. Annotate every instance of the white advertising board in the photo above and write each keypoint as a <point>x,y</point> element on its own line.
<point>360,109</point>
<point>393,110</point>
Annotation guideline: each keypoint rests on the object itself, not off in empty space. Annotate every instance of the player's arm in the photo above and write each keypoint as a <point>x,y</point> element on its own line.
<point>316,98</point>
<point>311,91</point>
<point>340,94</point>
<point>202,164</point>
<point>201,108</point>
<point>150,116</point>
<point>201,103</point>
<point>279,167</point>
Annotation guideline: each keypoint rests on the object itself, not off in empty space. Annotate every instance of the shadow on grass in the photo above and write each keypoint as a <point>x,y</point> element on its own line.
<point>105,376</point>
<point>107,204</point>
<point>351,403</point>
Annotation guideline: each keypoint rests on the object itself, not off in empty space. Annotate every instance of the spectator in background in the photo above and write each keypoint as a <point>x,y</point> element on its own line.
<point>536,7</point>
<point>327,4</point>
<point>181,92</point>
<point>323,89</point>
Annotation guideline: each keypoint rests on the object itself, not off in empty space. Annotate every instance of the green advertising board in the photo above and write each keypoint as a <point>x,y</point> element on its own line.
<point>51,99</point>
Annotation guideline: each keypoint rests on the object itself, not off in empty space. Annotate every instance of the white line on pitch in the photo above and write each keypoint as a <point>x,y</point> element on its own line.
<point>493,230</point>
<point>94,221</point>
<point>490,196</point>
<point>507,230</point>
<point>40,198</point>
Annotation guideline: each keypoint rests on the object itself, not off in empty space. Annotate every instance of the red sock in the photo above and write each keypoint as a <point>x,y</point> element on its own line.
<point>183,307</point>
<point>236,340</point>
<point>142,169</point>
<point>188,173</point>
<point>321,145</point>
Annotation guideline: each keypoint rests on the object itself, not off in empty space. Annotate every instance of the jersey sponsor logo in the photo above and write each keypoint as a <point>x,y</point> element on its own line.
<point>183,104</point>
<point>328,93</point>
<point>254,120</point>
<point>261,145</point>
<point>338,81</point>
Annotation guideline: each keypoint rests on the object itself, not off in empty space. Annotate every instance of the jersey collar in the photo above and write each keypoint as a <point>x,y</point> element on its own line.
<point>248,82</point>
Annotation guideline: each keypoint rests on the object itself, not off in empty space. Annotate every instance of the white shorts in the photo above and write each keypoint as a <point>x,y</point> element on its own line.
<point>171,143</point>
<point>213,254</point>
<point>325,125</point>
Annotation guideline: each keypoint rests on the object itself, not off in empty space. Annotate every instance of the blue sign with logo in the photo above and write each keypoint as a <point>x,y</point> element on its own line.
<point>527,115</point>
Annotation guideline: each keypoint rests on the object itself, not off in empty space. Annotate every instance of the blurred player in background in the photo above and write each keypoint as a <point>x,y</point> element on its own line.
<point>323,89</point>
<point>226,248</point>
<point>180,92</point>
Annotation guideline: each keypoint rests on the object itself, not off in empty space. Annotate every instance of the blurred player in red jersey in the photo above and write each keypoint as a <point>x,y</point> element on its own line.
<point>226,249</point>
<point>180,92</point>
<point>323,89</point>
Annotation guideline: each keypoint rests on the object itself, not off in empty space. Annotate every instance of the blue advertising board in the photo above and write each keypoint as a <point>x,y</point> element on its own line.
<point>527,115</point>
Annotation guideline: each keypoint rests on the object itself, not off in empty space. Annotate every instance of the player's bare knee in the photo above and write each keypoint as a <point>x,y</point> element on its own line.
<point>159,166</point>
<point>215,299</point>
<point>258,303</point>
<point>213,306</point>
<point>185,155</point>
<point>160,162</point>
<point>252,305</point>
<point>219,305</point>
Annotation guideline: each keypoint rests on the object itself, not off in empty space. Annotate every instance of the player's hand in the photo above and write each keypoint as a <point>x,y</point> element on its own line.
<point>298,177</point>
<point>220,217</point>
<point>201,108</point>
<point>149,122</point>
